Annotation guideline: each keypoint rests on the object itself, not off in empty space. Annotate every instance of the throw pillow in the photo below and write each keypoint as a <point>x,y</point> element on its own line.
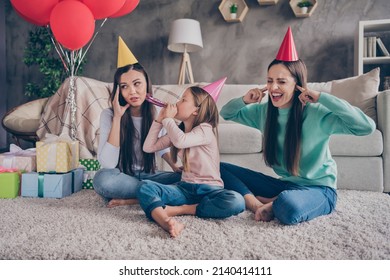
<point>359,91</point>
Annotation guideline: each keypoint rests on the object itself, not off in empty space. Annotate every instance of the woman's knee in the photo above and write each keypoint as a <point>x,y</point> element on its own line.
<point>287,210</point>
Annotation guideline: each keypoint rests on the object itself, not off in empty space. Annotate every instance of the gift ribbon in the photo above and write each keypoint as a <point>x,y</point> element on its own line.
<point>8,170</point>
<point>50,141</point>
<point>41,183</point>
<point>89,174</point>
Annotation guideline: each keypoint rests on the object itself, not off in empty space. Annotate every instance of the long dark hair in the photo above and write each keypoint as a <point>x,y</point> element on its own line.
<point>128,132</point>
<point>292,142</point>
<point>207,113</point>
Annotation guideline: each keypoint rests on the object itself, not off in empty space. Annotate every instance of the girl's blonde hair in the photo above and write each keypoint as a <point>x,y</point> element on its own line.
<point>207,113</point>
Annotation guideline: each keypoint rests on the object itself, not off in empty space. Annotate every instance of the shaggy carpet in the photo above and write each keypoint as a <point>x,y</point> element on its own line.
<point>81,227</point>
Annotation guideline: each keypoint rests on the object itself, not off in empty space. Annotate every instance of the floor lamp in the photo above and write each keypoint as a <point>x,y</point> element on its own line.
<point>185,37</point>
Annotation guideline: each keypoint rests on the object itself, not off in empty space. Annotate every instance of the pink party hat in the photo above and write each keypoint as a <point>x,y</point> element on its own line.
<point>215,88</point>
<point>287,51</point>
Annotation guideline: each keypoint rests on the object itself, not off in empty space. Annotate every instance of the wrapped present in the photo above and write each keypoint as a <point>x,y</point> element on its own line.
<point>57,154</point>
<point>20,159</point>
<point>91,166</point>
<point>52,185</point>
<point>9,182</point>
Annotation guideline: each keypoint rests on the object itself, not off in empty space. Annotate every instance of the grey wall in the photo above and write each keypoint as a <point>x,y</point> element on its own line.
<point>240,51</point>
<point>3,85</point>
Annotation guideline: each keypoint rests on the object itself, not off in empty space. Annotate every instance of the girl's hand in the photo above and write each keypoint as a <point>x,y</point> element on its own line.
<point>308,95</point>
<point>170,111</point>
<point>254,95</point>
<point>118,109</point>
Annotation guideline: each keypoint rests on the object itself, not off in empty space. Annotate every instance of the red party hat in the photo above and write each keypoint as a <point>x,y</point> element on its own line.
<point>287,51</point>
<point>215,88</point>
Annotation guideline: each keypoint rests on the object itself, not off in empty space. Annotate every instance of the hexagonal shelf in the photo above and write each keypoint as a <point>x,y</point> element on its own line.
<point>242,9</point>
<point>297,10</point>
<point>267,2</point>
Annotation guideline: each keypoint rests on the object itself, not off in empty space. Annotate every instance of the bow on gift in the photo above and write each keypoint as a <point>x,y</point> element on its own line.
<point>8,170</point>
<point>52,150</point>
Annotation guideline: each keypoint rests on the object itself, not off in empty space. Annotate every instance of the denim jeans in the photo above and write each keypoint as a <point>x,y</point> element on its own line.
<point>213,201</point>
<point>111,183</point>
<point>294,203</point>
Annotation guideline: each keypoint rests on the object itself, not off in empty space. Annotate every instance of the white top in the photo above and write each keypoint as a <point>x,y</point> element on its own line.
<point>108,154</point>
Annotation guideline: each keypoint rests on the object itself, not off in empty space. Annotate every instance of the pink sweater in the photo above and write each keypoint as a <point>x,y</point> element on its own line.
<point>203,155</point>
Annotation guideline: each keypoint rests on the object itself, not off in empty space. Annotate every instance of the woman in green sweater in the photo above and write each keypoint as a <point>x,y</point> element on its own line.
<point>296,123</point>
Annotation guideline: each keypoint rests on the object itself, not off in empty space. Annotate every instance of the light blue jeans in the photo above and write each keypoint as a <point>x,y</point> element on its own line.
<point>294,203</point>
<point>112,183</point>
<point>213,201</point>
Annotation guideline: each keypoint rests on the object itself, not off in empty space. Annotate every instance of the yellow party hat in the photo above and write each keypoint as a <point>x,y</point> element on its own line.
<point>125,56</point>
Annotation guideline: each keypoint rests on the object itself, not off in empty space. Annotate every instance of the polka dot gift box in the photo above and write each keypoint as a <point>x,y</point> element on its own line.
<point>57,154</point>
<point>91,165</point>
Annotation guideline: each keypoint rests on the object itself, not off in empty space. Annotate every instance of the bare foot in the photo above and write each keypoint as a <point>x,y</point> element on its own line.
<point>265,200</point>
<point>120,202</point>
<point>174,227</point>
<point>264,213</point>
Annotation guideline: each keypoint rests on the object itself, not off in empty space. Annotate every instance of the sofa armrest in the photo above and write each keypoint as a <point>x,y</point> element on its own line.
<point>383,112</point>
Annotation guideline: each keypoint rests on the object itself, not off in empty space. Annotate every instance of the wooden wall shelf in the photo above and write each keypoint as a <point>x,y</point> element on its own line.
<point>297,10</point>
<point>267,2</point>
<point>242,10</point>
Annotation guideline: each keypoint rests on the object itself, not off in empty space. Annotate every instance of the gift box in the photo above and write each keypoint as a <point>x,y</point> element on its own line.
<point>91,166</point>
<point>57,154</point>
<point>9,184</point>
<point>52,185</point>
<point>20,159</point>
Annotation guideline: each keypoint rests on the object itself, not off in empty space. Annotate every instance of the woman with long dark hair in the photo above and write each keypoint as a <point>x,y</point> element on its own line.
<point>297,123</point>
<point>123,129</point>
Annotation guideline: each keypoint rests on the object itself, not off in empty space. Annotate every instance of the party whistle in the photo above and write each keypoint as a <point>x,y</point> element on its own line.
<point>155,101</point>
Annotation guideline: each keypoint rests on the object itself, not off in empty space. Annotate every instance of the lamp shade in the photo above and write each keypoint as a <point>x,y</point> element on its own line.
<point>185,34</point>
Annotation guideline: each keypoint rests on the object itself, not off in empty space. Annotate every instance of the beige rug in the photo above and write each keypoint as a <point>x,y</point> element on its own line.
<point>81,227</point>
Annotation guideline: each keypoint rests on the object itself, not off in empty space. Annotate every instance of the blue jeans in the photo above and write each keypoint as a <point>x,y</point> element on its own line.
<point>111,183</point>
<point>294,203</point>
<point>213,201</point>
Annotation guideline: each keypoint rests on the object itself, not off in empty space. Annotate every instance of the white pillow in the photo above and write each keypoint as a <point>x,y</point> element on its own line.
<point>359,91</point>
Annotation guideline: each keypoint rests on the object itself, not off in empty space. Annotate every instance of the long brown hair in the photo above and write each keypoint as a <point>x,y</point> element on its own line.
<point>292,142</point>
<point>128,132</point>
<point>207,113</point>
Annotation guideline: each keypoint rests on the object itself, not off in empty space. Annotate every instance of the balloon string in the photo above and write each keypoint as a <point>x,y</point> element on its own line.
<point>89,45</point>
<point>58,47</point>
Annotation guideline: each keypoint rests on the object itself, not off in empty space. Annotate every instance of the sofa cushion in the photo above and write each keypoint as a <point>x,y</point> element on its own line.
<point>359,91</point>
<point>236,138</point>
<point>25,118</point>
<point>351,145</point>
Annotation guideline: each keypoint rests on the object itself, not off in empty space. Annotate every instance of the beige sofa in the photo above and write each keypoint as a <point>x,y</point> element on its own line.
<point>363,162</point>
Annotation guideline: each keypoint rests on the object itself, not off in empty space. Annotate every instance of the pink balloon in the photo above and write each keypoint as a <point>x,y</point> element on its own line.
<point>127,8</point>
<point>103,9</point>
<point>72,24</point>
<point>35,11</point>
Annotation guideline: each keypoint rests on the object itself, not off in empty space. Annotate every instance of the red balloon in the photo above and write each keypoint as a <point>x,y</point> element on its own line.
<point>72,24</point>
<point>127,8</point>
<point>35,11</point>
<point>102,9</point>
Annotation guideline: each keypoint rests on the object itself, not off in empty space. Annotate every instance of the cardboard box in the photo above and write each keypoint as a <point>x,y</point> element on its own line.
<point>52,185</point>
<point>91,165</point>
<point>57,156</point>
<point>9,184</point>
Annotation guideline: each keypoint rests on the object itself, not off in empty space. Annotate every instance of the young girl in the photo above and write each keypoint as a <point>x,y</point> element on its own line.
<point>123,129</point>
<point>200,191</point>
<point>297,123</point>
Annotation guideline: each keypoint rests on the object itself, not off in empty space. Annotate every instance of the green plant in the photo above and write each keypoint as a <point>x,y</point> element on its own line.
<point>233,8</point>
<point>40,52</point>
<point>304,4</point>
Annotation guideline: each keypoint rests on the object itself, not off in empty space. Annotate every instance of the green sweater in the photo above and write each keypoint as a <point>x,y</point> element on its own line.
<point>330,115</point>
